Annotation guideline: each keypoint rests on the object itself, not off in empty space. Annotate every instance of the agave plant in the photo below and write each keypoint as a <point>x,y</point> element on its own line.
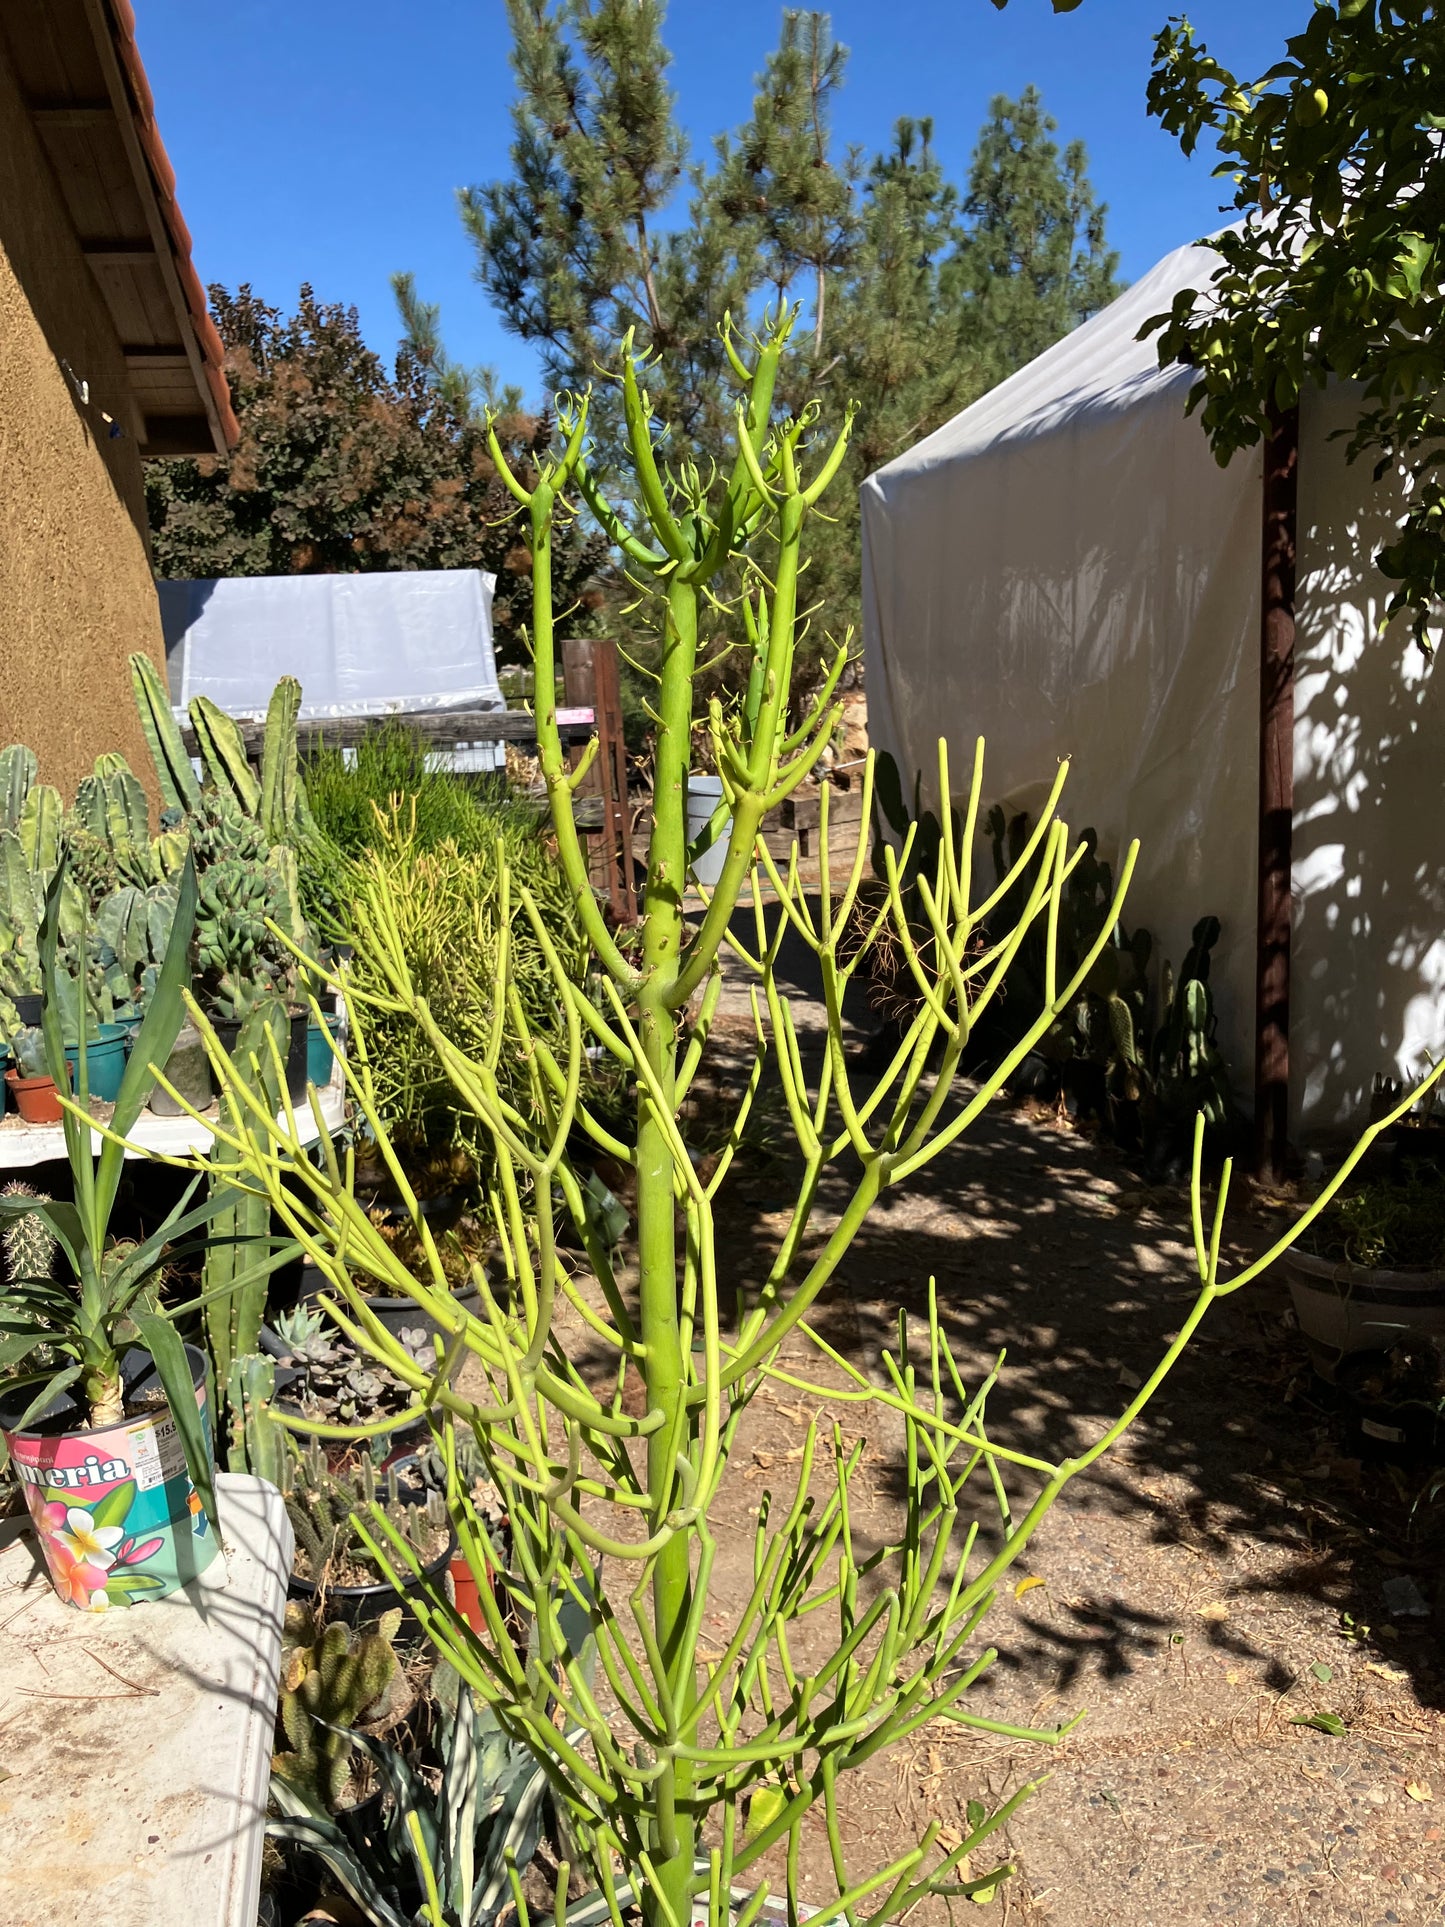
<point>451,1848</point>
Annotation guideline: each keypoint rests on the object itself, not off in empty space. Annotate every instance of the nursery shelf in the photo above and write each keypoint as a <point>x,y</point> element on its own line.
<point>22,1144</point>
<point>138,1744</point>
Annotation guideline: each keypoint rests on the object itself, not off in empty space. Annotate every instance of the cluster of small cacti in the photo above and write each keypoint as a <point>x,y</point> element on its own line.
<point>320,1504</point>
<point>238,961</point>
<point>119,897</point>
<point>333,1678</point>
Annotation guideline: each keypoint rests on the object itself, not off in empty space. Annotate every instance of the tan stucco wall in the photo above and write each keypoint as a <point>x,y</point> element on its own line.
<point>76,595</point>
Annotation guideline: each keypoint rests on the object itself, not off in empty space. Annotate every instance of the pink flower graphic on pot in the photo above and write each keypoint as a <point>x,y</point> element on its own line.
<point>114,1509</point>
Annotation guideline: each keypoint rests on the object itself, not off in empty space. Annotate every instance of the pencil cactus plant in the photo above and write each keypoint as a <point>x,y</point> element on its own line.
<point>656,1764</point>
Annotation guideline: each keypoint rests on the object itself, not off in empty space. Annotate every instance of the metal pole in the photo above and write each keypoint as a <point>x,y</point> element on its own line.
<point>1276,791</point>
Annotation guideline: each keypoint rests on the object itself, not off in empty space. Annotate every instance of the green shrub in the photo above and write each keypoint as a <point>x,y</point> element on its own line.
<point>451,923</point>
<point>345,795</point>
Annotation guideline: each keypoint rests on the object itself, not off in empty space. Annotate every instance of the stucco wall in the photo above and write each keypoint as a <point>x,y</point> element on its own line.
<point>76,595</point>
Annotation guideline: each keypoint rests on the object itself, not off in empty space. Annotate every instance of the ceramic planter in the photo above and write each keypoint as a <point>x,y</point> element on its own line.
<point>113,1506</point>
<point>189,1069</point>
<point>104,1062</point>
<point>36,1098</point>
<point>1352,1308</point>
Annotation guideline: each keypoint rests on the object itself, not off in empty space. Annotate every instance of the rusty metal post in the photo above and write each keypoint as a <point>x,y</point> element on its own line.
<point>590,680</point>
<point>1276,791</point>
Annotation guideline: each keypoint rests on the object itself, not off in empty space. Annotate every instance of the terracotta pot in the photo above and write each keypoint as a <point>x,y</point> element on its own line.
<point>467,1594</point>
<point>36,1098</point>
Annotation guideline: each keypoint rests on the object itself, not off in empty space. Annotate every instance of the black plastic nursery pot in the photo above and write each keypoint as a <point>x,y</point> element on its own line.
<point>228,1029</point>
<point>364,1605</point>
<point>404,1314</point>
<point>399,1314</point>
<point>113,1506</point>
<point>1403,1431</point>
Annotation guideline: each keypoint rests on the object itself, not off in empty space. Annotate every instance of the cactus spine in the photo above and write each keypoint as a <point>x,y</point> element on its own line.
<point>28,1243</point>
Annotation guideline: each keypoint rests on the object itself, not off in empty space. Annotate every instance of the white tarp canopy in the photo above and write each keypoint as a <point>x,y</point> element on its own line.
<point>360,645</point>
<point>1065,570</point>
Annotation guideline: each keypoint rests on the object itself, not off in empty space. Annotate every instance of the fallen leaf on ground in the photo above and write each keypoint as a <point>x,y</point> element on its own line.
<point>1324,1674</point>
<point>1396,1673</point>
<point>1215,1610</point>
<point>1322,1723</point>
<point>1027,1585</point>
<point>1419,1790</point>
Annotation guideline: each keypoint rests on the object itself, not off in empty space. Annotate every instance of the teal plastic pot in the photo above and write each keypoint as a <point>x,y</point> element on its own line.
<point>104,1062</point>
<point>319,1061</point>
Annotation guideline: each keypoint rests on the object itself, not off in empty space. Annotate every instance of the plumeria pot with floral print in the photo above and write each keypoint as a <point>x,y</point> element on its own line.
<point>117,1516</point>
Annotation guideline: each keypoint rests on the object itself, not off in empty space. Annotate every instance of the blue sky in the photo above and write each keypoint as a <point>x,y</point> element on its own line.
<point>322,140</point>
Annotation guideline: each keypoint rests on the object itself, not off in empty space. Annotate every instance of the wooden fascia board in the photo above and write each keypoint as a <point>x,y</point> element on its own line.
<point>99,21</point>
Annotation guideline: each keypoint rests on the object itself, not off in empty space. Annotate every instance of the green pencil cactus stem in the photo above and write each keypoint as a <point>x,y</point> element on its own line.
<point>656,1759</point>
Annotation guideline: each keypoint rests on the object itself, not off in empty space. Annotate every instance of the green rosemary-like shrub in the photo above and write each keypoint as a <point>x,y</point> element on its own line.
<point>452,927</point>
<point>392,762</point>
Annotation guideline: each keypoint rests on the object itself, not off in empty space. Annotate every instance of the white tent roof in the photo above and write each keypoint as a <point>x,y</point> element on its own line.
<point>360,645</point>
<point>1064,569</point>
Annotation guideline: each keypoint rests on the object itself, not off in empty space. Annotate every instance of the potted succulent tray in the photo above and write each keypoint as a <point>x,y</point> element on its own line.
<point>323,1380</point>
<point>1371,1271</point>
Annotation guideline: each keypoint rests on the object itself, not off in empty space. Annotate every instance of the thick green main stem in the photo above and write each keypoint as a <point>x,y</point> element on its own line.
<point>674,1829</point>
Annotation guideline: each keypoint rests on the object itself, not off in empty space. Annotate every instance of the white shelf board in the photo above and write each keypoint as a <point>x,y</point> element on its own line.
<point>138,1744</point>
<point>23,1145</point>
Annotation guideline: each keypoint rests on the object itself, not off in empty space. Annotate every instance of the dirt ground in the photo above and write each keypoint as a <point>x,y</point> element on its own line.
<point>1216,1580</point>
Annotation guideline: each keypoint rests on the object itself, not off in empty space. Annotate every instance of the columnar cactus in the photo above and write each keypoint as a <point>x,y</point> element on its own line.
<point>332,1679</point>
<point>111,805</point>
<point>178,785</point>
<point>17,774</point>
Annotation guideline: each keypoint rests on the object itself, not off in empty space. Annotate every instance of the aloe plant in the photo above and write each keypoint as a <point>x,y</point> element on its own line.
<point>701,1754</point>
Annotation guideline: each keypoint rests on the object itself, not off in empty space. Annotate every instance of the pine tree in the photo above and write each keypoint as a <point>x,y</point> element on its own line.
<point>1034,263</point>
<point>777,182</point>
<point>912,303</point>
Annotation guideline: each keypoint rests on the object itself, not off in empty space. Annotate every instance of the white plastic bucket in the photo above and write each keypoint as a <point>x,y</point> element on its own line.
<point>704,793</point>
